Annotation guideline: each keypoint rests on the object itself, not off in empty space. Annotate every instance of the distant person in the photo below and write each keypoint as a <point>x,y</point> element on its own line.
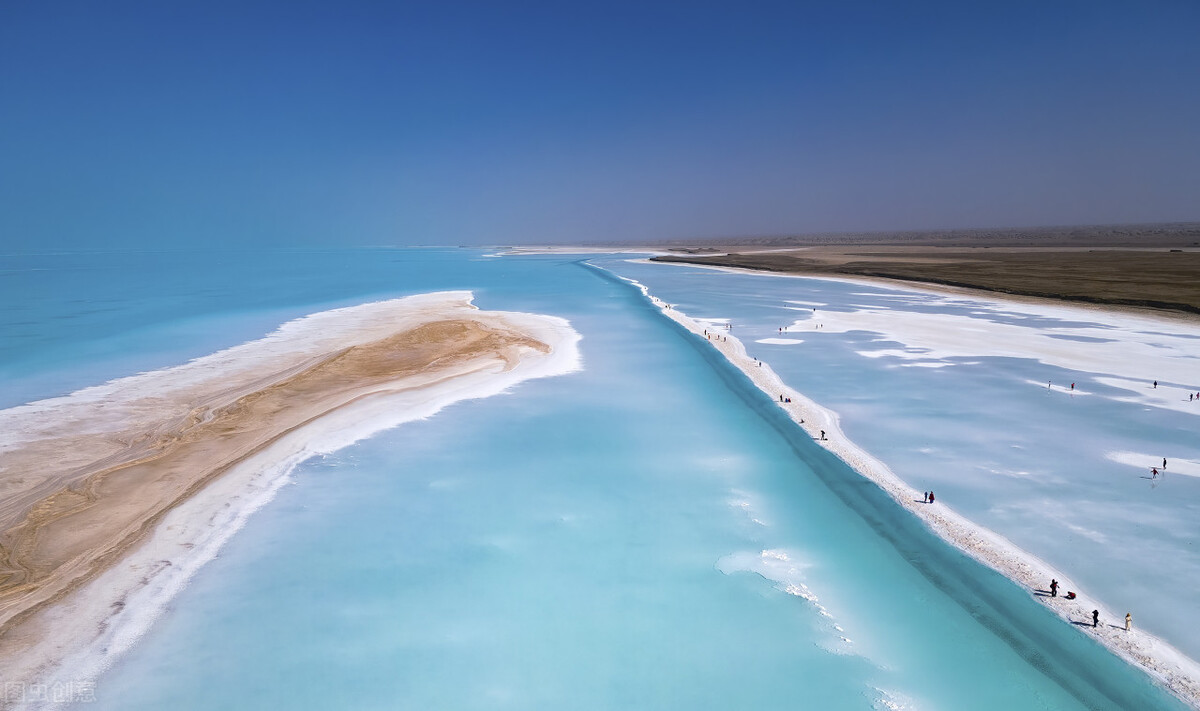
<point>1070,595</point>
<point>1128,621</point>
<point>926,497</point>
<point>1156,384</point>
<point>1164,462</point>
<point>1153,472</point>
<point>1072,387</point>
<point>1053,588</point>
<point>1095,618</point>
<point>822,434</point>
<point>931,497</point>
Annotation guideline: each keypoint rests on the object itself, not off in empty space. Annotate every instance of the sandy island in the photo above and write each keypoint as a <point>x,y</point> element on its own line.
<point>111,497</point>
<point>1177,672</point>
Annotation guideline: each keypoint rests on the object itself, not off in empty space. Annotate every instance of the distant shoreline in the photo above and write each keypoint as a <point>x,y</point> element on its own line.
<point>1148,268</point>
<point>1161,280</point>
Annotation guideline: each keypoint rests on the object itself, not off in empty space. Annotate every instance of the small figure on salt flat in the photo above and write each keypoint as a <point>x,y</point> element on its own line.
<point>1053,587</point>
<point>1095,618</point>
<point>1128,621</point>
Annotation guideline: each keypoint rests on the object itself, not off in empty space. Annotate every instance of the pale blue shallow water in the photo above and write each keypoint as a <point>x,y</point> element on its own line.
<point>1024,461</point>
<point>650,532</point>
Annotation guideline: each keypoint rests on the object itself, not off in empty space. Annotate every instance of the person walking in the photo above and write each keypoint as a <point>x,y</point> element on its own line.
<point>1164,462</point>
<point>931,497</point>
<point>1128,621</point>
<point>1053,588</point>
<point>1095,618</point>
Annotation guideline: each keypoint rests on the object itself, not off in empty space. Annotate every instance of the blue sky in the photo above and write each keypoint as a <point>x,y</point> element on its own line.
<point>133,124</point>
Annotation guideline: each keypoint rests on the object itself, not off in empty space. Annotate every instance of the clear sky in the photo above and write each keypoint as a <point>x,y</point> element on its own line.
<point>126,124</point>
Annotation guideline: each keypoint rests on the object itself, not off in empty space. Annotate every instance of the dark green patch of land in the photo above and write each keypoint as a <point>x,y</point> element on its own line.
<point>1154,267</point>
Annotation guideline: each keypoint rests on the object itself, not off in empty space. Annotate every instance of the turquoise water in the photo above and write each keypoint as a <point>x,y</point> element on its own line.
<point>649,532</point>
<point>987,435</point>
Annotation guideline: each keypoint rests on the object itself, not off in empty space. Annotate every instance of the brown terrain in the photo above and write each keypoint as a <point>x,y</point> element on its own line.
<point>74,502</point>
<point>1154,267</point>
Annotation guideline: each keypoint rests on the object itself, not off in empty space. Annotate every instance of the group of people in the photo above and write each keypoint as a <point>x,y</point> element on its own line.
<point>1191,396</point>
<point>1095,613</point>
<point>929,497</point>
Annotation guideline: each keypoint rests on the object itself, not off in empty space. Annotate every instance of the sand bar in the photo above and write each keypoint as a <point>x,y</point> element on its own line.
<point>111,497</point>
<point>1177,672</point>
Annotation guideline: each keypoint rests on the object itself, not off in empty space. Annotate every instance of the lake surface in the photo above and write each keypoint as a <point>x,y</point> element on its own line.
<point>649,532</point>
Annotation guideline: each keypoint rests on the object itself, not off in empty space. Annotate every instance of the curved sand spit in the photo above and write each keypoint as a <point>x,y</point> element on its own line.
<point>1175,671</point>
<point>110,498</point>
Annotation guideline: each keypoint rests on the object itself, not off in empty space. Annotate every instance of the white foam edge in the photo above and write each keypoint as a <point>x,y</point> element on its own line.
<point>103,619</point>
<point>304,337</point>
<point>780,341</point>
<point>1174,670</point>
<point>1143,462</point>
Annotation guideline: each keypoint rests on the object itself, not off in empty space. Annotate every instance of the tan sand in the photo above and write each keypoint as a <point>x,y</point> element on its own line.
<point>85,480</point>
